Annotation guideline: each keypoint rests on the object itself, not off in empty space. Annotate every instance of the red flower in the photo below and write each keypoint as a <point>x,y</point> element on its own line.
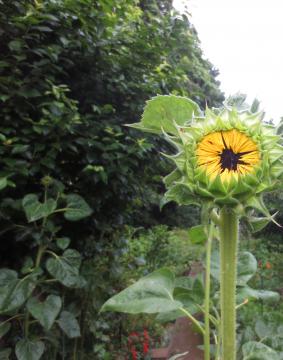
<point>268,265</point>
<point>134,353</point>
<point>145,348</point>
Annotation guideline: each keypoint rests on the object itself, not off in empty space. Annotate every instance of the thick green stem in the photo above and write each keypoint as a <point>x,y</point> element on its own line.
<point>207,295</point>
<point>228,261</point>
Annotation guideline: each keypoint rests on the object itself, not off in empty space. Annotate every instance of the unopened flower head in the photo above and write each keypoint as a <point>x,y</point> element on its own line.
<point>225,157</point>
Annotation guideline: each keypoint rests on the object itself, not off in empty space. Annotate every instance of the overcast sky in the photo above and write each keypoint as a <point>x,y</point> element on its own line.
<point>244,40</point>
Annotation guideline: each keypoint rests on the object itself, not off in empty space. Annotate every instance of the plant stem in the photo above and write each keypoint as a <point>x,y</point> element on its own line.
<point>40,252</point>
<point>193,319</point>
<point>207,295</point>
<point>228,262</point>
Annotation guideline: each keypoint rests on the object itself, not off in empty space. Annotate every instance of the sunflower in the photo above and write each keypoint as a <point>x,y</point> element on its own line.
<point>227,154</point>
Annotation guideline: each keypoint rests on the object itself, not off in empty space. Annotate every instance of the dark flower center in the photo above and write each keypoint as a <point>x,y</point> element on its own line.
<point>229,160</point>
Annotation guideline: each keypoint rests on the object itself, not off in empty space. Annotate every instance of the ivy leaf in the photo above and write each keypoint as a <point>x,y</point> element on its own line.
<point>77,208</point>
<point>29,350</point>
<point>63,242</point>
<point>36,210</point>
<point>162,112</point>
<point>151,294</point>
<point>66,268</point>
<point>14,291</point>
<point>45,312</point>
<point>69,324</point>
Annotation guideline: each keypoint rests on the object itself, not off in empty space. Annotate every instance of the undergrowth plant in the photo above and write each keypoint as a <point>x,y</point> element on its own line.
<point>36,316</point>
<point>226,159</point>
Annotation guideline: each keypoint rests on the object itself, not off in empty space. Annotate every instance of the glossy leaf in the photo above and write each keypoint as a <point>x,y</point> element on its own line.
<point>69,324</point>
<point>77,208</point>
<point>45,312</point>
<point>29,350</point>
<point>151,294</point>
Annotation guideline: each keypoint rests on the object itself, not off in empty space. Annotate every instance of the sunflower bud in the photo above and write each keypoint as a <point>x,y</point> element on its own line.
<point>225,157</point>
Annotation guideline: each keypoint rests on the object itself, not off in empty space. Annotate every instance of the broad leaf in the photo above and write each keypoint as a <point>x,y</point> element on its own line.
<point>29,350</point>
<point>246,292</point>
<point>253,350</point>
<point>66,268</point>
<point>246,267</point>
<point>36,210</point>
<point>184,296</point>
<point>69,324</point>
<point>77,208</point>
<point>45,312</point>
<point>162,112</point>
<point>14,291</point>
<point>151,294</point>
<point>197,234</point>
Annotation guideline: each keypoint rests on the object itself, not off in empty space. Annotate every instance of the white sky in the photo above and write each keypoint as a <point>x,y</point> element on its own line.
<point>244,40</point>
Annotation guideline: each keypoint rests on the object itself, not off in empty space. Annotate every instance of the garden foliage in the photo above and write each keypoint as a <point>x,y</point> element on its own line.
<point>72,72</point>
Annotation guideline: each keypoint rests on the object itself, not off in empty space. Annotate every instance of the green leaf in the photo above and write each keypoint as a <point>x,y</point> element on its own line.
<point>151,294</point>
<point>181,194</point>
<point>246,292</point>
<point>185,297</point>
<point>246,267</point>
<point>45,312</point>
<point>69,324</point>
<point>253,350</point>
<point>36,210</point>
<point>14,291</point>
<point>270,326</point>
<point>4,328</point>
<point>29,350</point>
<point>3,183</point>
<point>5,354</point>
<point>77,208</point>
<point>63,242</point>
<point>66,268</point>
<point>162,112</point>
<point>19,149</point>
<point>197,234</point>
<point>15,45</point>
